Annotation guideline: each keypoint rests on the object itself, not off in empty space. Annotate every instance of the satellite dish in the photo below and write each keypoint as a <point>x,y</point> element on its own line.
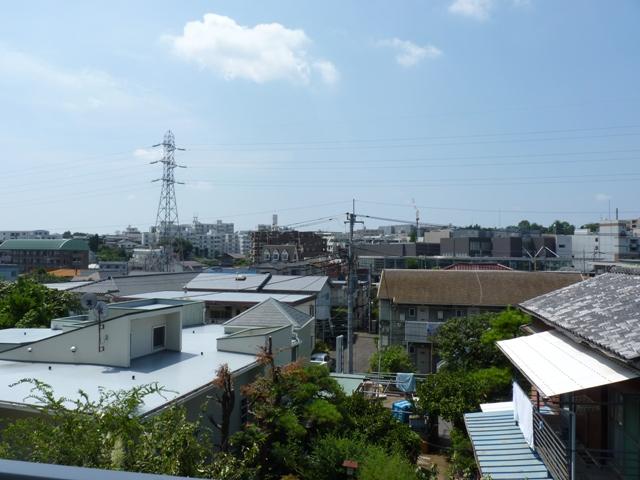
<point>102,309</point>
<point>89,301</point>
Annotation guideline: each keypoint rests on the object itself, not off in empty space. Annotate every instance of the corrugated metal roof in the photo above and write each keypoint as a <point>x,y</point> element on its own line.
<point>604,310</point>
<point>270,313</point>
<point>136,284</point>
<point>556,365</point>
<point>289,283</point>
<point>472,288</point>
<point>228,281</point>
<point>500,448</point>
<point>228,297</point>
<point>71,244</point>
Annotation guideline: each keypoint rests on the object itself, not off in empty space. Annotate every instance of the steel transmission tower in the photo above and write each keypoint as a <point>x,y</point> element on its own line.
<point>167,224</point>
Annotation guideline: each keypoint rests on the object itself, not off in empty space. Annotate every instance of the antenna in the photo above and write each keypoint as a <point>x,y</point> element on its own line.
<point>89,301</point>
<point>413,202</point>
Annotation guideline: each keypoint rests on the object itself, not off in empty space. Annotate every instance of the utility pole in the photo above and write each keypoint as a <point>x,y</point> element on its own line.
<point>167,223</point>
<point>351,284</point>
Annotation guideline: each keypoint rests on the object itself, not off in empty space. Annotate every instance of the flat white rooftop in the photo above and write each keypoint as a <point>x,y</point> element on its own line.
<point>226,297</point>
<point>179,372</point>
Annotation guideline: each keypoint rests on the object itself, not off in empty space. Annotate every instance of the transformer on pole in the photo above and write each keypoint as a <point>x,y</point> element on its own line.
<point>167,225</point>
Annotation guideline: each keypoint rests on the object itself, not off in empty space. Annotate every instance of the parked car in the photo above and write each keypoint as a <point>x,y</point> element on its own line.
<point>322,358</point>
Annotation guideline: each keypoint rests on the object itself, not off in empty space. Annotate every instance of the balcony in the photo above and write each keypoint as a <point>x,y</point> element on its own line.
<point>420,332</point>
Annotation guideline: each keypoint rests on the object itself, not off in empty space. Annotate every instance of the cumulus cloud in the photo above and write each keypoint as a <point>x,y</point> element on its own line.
<point>262,53</point>
<point>408,53</point>
<point>478,9</point>
<point>602,197</point>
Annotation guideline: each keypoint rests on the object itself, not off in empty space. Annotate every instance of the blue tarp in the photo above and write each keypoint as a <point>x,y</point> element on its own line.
<point>406,382</point>
<point>401,410</point>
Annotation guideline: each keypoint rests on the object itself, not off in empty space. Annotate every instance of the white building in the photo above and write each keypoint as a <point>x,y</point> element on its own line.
<point>144,342</point>
<point>28,235</point>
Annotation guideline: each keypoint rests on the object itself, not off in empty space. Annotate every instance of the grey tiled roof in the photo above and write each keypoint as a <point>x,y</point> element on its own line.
<point>604,310</point>
<point>270,313</point>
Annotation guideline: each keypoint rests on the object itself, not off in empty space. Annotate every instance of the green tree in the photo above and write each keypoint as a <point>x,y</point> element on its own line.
<point>112,254</point>
<point>106,433</point>
<point>592,227</point>
<point>94,243</point>
<point>560,227</point>
<point>66,234</point>
<point>392,359</point>
<point>27,304</point>
<point>183,247</point>
<point>459,342</point>
<point>374,462</point>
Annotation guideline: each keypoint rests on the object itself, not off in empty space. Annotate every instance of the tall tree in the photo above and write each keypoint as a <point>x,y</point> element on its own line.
<point>25,303</point>
<point>225,396</point>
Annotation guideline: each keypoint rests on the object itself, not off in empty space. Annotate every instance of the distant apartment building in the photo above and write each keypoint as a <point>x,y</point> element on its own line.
<point>31,255</point>
<point>27,235</point>
<point>615,240</point>
<point>308,244</point>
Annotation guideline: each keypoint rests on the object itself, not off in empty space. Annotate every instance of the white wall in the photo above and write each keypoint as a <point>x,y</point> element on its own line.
<point>115,335</point>
<point>142,334</point>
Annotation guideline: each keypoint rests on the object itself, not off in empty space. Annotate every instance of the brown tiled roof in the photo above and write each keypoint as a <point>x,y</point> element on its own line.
<point>473,288</point>
<point>477,266</point>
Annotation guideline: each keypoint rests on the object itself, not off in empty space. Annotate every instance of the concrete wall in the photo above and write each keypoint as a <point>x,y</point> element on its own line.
<point>306,335</point>
<point>115,335</point>
<point>323,303</point>
<point>251,341</point>
<point>142,334</point>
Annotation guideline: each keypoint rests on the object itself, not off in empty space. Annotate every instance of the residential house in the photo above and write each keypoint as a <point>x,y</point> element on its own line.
<point>415,303</point>
<point>271,314</point>
<point>580,413</point>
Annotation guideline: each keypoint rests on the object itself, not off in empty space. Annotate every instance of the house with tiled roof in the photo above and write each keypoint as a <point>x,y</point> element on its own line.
<point>578,413</point>
<point>415,303</point>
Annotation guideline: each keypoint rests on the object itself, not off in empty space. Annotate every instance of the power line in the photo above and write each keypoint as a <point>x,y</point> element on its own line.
<point>432,137</point>
<point>412,145</point>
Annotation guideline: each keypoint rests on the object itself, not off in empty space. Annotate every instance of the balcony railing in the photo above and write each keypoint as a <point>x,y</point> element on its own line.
<point>552,442</point>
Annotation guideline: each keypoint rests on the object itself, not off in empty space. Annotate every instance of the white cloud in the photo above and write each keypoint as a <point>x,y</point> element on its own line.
<point>150,154</point>
<point>261,53</point>
<point>478,9</point>
<point>602,197</point>
<point>199,185</point>
<point>408,53</point>
<point>81,90</point>
<point>481,9</point>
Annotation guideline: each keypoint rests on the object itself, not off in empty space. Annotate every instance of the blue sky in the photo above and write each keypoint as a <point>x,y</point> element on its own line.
<point>482,111</point>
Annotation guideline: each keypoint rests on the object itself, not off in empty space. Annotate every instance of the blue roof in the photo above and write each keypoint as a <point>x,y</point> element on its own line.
<point>500,448</point>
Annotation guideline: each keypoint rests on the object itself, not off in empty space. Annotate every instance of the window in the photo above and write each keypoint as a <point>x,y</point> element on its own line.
<point>275,256</point>
<point>412,312</point>
<point>312,310</point>
<point>285,256</point>
<point>158,337</point>
<point>440,315</point>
